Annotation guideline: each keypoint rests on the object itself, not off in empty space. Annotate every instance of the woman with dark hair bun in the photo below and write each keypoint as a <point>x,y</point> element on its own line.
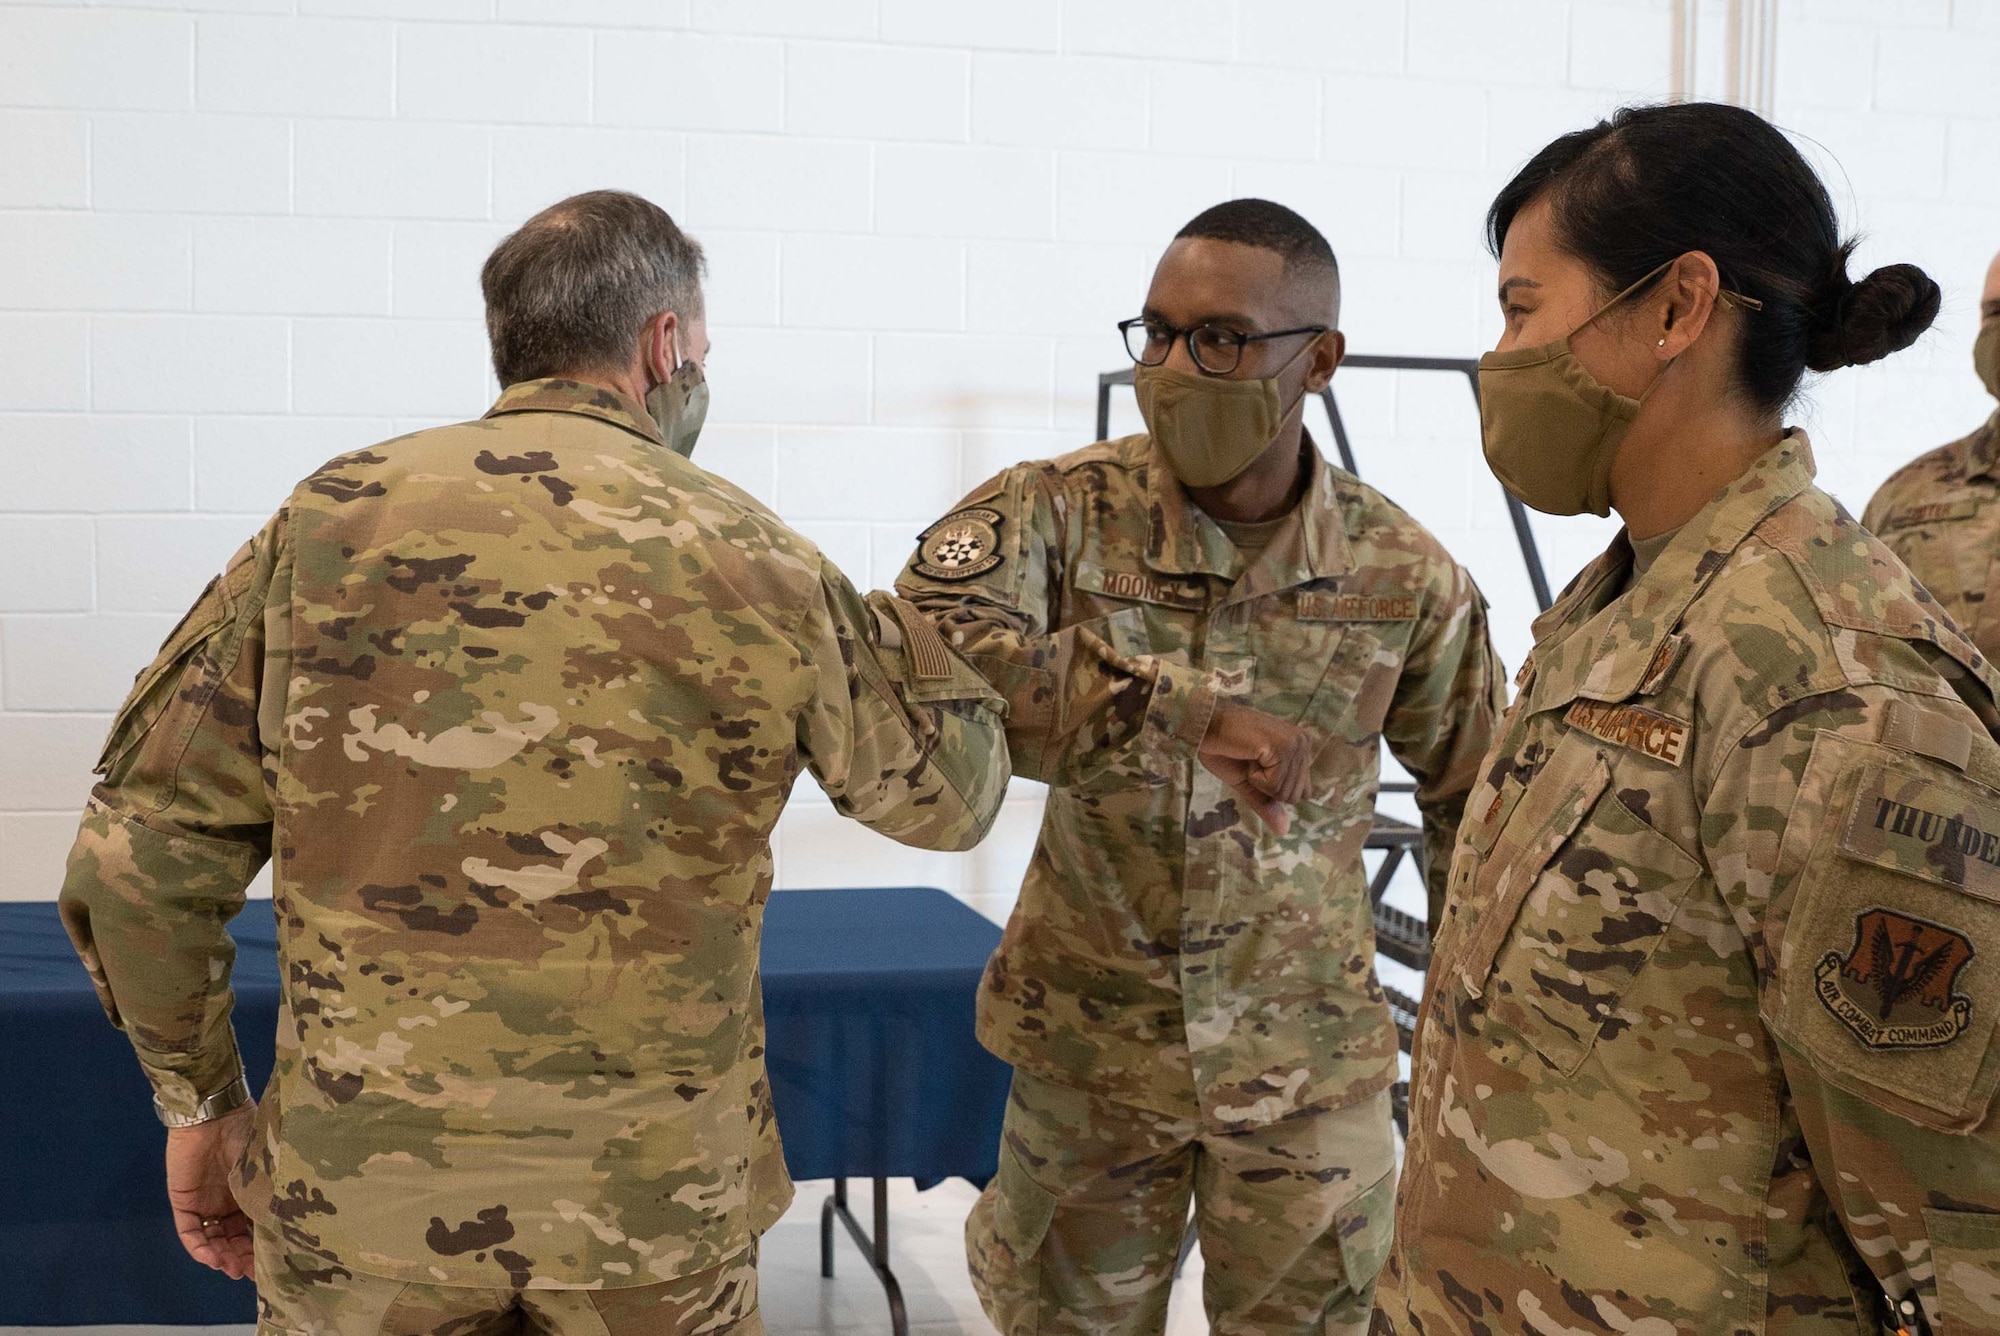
<point>1708,1041</point>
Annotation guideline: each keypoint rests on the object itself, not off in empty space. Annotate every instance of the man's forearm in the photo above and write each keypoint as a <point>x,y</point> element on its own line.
<point>1074,703</point>
<point>147,913</point>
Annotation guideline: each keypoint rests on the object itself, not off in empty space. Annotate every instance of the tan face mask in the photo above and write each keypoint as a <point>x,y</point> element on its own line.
<point>1986,355</point>
<point>1211,429</point>
<point>679,405</point>
<point>1550,430</point>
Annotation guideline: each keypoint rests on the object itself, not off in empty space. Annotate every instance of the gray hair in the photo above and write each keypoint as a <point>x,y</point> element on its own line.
<point>571,291</point>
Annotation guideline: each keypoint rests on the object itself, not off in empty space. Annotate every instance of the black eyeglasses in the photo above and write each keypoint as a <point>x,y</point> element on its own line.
<point>1216,350</point>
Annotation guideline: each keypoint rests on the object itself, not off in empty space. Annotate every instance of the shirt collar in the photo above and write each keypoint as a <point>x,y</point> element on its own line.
<point>1182,540</point>
<point>555,395</point>
<point>1598,645</point>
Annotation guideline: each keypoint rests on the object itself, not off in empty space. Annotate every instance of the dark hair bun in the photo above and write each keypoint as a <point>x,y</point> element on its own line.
<point>1857,323</point>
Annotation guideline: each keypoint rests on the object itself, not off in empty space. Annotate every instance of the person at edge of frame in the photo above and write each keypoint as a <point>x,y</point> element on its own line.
<point>1941,512</point>
<point>515,704</point>
<point>1189,1001</point>
<point>1708,1039</point>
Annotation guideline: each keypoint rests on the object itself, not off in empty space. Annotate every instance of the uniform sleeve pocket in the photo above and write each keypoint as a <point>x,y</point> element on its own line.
<point>157,684</point>
<point>1366,1225</point>
<point>1889,952</point>
<point>916,654</point>
<point>1965,1250</point>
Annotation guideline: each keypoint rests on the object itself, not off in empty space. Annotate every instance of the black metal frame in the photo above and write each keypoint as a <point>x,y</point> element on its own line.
<point>1531,555</point>
<point>1403,1012</point>
<point>874,1250</point>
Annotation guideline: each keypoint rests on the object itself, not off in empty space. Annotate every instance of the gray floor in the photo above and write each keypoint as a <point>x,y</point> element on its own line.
<point>928,1255</point>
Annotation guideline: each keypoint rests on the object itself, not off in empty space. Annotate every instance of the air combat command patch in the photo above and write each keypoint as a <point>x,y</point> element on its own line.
<point>1893,988</point>
<point>963,544</point>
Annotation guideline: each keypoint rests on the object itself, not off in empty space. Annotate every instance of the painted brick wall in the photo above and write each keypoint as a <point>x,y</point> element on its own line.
<point>237,238</point>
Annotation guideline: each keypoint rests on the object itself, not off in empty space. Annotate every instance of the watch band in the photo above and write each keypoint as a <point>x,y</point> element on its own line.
<point>226,1100</point>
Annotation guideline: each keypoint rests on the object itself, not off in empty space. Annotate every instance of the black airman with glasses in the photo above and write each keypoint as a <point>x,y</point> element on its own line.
<point>1216,349</point>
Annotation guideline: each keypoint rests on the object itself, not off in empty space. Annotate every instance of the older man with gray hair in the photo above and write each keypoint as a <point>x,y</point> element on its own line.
<point>515,705</point>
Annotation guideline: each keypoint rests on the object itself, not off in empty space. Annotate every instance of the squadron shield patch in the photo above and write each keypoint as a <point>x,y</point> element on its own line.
<point>1893,988</point>
<point>963,544</point>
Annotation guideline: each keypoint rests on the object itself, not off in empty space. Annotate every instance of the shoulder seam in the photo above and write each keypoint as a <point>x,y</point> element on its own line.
<point>1397,518</point>
<point>1097,452</point>
<point>1915,468</point>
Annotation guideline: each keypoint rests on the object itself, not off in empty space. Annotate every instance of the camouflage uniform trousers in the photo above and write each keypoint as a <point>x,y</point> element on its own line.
<point>1081,1228</point>
<point>298,1296</point>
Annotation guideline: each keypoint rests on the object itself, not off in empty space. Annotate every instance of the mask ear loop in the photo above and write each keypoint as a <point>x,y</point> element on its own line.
<point>673,350</point>
<point>1646,278</point>
<point>1726,296</point>
<point>1289,363</point>
<point>1591,319</point>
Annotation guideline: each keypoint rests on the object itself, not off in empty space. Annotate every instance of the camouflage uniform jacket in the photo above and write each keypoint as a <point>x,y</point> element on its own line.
<point>1168,951</point>
<point>1708,1038</point>
<point>516,705</point>
<point>1941,514</point>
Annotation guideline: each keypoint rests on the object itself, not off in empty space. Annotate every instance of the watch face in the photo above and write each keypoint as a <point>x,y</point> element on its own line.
<point>961,545</point>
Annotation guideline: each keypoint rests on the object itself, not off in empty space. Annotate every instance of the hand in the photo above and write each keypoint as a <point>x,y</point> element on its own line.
<point>1264,760</point>
<point>200,1162</point>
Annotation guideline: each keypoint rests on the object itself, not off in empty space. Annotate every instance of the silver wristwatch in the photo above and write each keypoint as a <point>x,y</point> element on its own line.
<point>226,1100</point>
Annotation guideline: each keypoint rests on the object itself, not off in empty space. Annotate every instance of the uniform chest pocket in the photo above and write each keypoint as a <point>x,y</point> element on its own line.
<point>1329,664</point>
<point>1339,684</point>
<point>1131,629</point>
<point>1124,633</point>
<point>1580,900</point>
<point>1485,817</point>
<point>1362,640</point>
<point>1588,925</point>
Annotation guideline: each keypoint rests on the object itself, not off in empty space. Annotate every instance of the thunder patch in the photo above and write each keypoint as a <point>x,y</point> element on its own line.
<point>1893,988</point>
<point>1920,828</point>
<point>963,544</point>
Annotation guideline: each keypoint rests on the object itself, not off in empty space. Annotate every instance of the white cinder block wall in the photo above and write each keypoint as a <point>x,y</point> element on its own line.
<point>237,238</point>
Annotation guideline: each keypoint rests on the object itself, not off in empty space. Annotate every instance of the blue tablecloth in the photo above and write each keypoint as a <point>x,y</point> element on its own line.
<point>868,995</point>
